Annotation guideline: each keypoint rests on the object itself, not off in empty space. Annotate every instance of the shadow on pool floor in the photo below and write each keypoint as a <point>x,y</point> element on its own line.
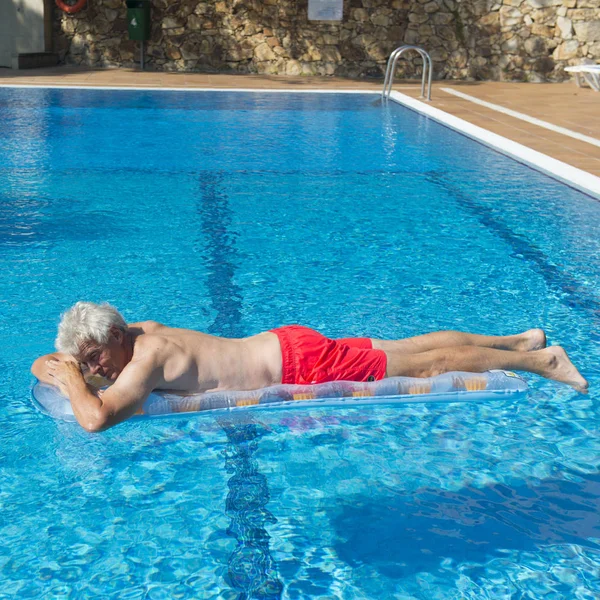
<point>402,534</point>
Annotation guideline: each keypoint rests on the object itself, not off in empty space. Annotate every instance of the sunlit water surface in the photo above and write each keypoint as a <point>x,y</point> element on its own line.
<point>234,213</point>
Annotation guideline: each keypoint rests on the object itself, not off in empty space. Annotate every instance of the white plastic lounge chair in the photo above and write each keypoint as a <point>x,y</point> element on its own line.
<point>590,73</point>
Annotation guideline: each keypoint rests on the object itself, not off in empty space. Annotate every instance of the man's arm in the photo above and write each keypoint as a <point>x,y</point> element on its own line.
<point>40,368</point>
<point>99,411</point>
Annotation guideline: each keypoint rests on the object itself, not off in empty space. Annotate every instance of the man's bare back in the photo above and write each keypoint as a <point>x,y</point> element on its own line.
<point>141,357</point>
<point>194,362</point>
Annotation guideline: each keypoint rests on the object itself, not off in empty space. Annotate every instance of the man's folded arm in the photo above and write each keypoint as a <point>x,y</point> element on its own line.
<point>99,411</point>
<point>40,369</point>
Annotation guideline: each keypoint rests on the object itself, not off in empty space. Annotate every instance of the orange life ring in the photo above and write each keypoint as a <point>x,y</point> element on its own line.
<point>71,8</point>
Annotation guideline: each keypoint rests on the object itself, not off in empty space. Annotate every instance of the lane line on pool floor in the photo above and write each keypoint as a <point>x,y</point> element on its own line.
<point>523,117</point>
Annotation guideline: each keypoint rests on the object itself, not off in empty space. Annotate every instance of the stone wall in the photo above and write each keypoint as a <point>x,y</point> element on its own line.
<point>483,39</point>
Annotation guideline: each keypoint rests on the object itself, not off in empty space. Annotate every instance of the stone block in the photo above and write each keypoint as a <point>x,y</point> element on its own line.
<point>511,45</point>
<point>263,52</point>
<point>459,59</point>
<point>535,46</point>
<point>431,7</point>
<point>173,53</point>
<point>544,3</point>
<point>442,18</point>
<point>411,37</point>
<point>172,23</point>
<point>439,55</point>
<point>194,22</point>
<point>582,14</point>
<point>293,67</point>
<point>566,50</point>
<point>418,18</point>
<point>155,51</point>
<point>378,52</point>
<point>189,51</point>
<point>504,61</point>
<point>364,40</point>
<point>492,20</point>
<point>507,12</point>
<point>564,28</point>
<point>257,39</point>
<point>380,20</point>
<point>509,24</point>
<point>524,33</point>
<point>542,30</point>
<point>587,31</point>
<point>360,14</point>
<point>544,16</point>
<point>78,44</point>
<point>446,33</point>
<point>381,33</point>
<point>68,26</point>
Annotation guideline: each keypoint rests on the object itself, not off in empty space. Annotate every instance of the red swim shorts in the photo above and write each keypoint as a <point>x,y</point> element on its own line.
<point>309,357</point>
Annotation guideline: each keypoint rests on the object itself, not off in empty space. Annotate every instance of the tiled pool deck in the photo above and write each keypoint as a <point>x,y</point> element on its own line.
<point>561,104</point>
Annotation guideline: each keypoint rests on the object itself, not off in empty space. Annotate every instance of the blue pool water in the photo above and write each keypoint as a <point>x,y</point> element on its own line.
<point>234,213</point>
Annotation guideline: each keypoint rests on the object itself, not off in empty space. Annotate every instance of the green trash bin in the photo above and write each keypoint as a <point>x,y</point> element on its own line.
<point>138,19</point>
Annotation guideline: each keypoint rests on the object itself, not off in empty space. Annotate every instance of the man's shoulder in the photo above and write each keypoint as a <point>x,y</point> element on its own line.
<point>146,327</point>
<point>150,342</point>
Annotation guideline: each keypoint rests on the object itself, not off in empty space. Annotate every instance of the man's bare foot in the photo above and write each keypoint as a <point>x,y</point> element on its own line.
<point>533,339</point>
<point>560,368</point>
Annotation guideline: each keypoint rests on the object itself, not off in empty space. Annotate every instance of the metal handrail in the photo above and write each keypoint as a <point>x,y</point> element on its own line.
<point>391,67</point>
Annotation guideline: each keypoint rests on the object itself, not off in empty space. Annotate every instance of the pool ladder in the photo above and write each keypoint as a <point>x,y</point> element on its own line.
<point>391,67</point>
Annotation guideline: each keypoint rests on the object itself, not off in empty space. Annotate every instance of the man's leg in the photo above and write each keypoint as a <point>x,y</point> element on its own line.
<point>534,339</point>
<point>551,362</point>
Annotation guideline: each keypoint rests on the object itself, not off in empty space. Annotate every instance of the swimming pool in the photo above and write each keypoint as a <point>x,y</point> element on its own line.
<point>237,212</point>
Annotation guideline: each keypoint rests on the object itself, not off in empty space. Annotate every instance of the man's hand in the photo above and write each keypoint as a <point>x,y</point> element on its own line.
<point>64,374</point>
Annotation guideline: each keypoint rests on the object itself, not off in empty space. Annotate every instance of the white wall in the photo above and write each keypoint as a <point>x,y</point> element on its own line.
<point>21,28</point>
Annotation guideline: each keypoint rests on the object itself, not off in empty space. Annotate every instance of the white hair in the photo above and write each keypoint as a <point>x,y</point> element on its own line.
<point>87,322</point>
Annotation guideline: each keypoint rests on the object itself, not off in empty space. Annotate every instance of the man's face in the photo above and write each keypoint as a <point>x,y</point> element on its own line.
<point>107,361</point>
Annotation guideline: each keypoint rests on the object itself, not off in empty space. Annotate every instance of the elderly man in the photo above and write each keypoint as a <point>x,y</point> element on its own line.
<point>141,357</point>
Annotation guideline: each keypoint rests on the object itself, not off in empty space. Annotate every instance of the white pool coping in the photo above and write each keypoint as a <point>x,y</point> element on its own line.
<point>556,169</point>
<point>523,117</point>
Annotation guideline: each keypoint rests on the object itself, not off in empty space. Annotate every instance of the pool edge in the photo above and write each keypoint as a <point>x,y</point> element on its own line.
<point>572,176</point>
<point>555,169</point>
